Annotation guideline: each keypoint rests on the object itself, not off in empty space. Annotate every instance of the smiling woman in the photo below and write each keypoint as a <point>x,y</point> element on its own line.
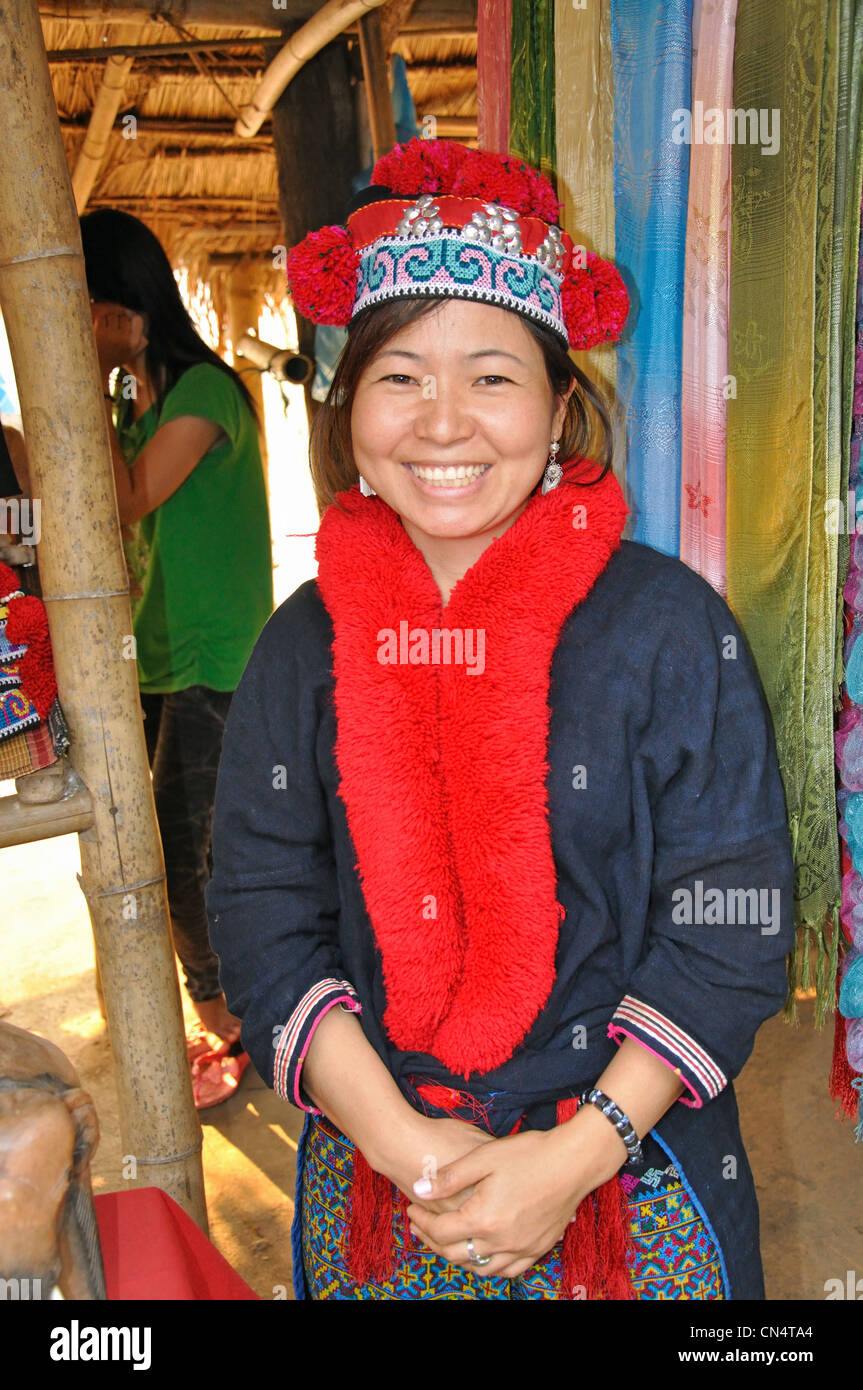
<point>444,890</point>
<point>586,427</point>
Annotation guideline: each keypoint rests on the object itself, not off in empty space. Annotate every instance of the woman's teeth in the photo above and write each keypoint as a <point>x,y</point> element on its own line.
<point>459,476</point>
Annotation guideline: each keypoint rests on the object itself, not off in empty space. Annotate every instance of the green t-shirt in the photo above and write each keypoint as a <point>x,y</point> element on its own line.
<point>204,557</point>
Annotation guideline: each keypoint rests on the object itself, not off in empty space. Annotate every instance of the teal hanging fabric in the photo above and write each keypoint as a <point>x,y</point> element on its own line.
<point>652,55</point>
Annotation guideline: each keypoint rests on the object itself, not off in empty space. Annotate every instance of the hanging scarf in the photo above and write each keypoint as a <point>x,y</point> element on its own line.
<point>652,58</point>
<point>705,303</point>
<point>584,140</point>
<point>443,772</point>
<point>782,560</point>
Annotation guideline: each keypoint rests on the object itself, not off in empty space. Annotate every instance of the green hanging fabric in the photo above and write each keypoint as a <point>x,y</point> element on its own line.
<point>846,236</point>
<point>782,560</point>
<point>532,109</point>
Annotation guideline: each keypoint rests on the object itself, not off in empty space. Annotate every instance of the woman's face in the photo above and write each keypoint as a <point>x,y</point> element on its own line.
<point>452,420</point>
<point>120,333</point>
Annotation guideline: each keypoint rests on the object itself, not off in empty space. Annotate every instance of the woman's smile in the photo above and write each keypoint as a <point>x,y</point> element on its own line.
<point>442,479</point>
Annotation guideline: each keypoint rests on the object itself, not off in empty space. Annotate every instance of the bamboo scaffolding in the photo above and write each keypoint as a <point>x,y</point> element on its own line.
<point>329,22</point>
<point>91,156</point>
<point>85,588</point>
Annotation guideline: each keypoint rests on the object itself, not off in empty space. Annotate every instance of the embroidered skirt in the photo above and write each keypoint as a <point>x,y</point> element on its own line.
<point>675,1254</point>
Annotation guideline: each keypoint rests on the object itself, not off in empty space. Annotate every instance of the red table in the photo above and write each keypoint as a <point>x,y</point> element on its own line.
<point>152,1250</point>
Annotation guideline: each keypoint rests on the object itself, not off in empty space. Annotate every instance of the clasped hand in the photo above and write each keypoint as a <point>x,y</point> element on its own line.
<point>513,1197</point>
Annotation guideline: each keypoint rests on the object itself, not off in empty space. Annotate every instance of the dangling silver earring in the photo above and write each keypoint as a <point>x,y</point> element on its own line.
<point>365,489</point>
<point>553,471</point>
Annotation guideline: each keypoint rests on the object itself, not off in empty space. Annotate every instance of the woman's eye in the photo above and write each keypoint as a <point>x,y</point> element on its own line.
<point>401,376</point>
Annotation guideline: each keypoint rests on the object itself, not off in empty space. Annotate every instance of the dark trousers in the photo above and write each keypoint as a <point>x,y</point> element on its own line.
<point>184,741</point>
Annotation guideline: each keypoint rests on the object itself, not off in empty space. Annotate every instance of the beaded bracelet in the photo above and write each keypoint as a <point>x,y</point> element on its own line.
<point>620,1121</point>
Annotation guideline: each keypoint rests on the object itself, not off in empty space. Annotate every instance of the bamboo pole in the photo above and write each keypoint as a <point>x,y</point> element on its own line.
<point>91,156</point>
<point>21,822</point>
<point>85,588</point>
<point>329,22</point>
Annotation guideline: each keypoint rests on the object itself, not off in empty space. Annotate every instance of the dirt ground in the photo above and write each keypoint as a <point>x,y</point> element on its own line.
<point>808,1170</point>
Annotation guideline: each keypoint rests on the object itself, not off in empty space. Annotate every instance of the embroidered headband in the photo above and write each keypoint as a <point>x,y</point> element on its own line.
<point>454,222</point>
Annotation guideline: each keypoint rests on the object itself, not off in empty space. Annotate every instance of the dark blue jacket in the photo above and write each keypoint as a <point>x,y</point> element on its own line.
<point>672,853</point>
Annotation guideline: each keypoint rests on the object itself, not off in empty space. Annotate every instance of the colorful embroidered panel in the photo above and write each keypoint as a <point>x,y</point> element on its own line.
<point>676,1257</point>
<point>450,267</point>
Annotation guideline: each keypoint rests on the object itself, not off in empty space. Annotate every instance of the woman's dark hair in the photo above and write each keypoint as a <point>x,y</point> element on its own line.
<point>125,264</point>
<point>588,415</point>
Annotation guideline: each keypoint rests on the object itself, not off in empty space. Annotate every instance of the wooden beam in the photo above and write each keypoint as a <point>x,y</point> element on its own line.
<point>161,50</point>
<point>161,125</point>
<point>251,14</point>
<point>394,16</point>
<point>428,18</point>
<point>158,204</point>
<point>376,74</point>
<point>159,128</point>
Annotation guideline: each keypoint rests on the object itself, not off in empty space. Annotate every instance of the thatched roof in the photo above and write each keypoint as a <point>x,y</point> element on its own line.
<point>178,164</point>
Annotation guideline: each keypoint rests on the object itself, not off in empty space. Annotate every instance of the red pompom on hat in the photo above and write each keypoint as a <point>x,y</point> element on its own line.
<point>501,178</point>
<point>322,276</point>
<point>28,623</point>
<point>420,166</point>
<point>442,166</point>
<point>9,582</point>
<point>493,207</point>
<point>595,303</point>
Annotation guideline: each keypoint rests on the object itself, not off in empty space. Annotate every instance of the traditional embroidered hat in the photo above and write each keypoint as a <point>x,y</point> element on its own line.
<point>445,220</point>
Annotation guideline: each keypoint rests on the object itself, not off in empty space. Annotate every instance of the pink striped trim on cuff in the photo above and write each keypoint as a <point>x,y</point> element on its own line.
<point>303,1014</point>
<point>684,1047</point>
<point>617,1034</point>
<point>354,1007</point>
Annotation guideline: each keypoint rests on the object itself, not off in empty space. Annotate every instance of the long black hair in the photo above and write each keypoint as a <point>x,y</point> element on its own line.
<point>125,264</point>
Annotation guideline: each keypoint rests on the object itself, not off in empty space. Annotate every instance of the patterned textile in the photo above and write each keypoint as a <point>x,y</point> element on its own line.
<point>531,115</point>
<point>17,712</point>
<point>494,22</point>
<point>28,751</point>
<point>705,304</point>
<point>9,651</point>
<point>781,558</point>
<point>676,1255</point>
<point>652,48</point>
<point>459,269</point>
<point>584,104</point>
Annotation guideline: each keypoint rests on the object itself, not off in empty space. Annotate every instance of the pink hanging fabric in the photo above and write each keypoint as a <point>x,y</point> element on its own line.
<point>492,72</point>
<point>705,302</point>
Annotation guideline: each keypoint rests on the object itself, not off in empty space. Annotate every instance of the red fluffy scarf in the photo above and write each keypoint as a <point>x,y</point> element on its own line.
<point>443,770</point>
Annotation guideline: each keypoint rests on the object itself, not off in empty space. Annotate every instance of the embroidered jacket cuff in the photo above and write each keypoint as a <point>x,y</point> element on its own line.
<point>295,1038</point>
<point>701,1076</point>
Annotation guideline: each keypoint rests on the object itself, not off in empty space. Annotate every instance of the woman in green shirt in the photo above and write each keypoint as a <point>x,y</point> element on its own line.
<point>192,503</point>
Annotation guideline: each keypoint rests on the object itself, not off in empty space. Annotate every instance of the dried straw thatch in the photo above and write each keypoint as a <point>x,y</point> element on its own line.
<point>171,156</point>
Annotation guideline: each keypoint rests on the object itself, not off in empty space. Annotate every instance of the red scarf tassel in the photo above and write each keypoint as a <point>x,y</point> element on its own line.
<point>595,1246</point>
<point>598,1240</point>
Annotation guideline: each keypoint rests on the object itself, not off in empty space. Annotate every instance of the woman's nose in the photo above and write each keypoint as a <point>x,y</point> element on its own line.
<point>441,412</point>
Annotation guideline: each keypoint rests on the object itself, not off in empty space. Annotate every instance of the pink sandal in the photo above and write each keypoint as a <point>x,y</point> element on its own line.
<point>216,1074</point>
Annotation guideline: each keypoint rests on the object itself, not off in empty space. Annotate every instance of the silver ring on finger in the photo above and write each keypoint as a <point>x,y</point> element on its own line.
<point>474,1258</point>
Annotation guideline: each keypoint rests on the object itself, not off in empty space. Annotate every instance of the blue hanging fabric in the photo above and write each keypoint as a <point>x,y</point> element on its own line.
<point>652,60</point>
<point>329,338</point>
